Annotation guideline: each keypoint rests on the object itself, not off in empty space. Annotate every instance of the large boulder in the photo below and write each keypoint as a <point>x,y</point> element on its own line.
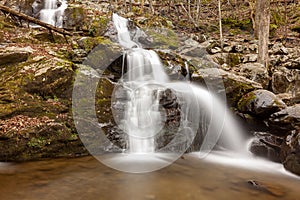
<point>260,103</point>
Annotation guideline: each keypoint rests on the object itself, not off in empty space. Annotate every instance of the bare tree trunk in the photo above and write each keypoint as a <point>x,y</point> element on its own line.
<point>198,9</point>
<point>130,5</point>
<point>189,8</point>
<point>263,16</point>
<point>257,18</point>
<point>220,24</point>
<point>285,20</point>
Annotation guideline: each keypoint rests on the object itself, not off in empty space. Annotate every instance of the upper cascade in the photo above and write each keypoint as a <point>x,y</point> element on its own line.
<point>53,12</point>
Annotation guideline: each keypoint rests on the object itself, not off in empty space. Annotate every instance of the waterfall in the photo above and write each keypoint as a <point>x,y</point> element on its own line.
<point>53,12</point>
<point>144,79</point>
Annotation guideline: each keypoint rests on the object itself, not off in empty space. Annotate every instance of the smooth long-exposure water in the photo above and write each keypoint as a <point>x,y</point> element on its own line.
<point>187,179</point>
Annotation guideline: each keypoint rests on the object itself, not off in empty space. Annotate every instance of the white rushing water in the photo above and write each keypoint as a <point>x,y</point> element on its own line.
<point>144,79</point>
<point>53,12</point>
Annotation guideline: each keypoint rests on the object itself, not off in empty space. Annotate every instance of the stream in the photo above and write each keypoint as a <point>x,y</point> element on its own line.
<point>188,178</point>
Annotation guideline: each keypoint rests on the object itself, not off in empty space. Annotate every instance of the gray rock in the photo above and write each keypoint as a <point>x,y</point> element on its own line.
<point>286,120</point>
<point>282,80</point>
<point>255,72</point>
<point>279,49</point>
<point>260,103</point>
<point>266,145</point>
<point>216,50</point>
<point>74,18</point>
<point>12,55</point>
<point>290,152</point>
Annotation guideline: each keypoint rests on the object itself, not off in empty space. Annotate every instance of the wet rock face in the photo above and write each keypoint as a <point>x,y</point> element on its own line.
<point>171,108</point>
<point>290,153</point>
<point>74,18</point>
<point>260,103</point>
<point>37,6</point>
<point>266,145</point>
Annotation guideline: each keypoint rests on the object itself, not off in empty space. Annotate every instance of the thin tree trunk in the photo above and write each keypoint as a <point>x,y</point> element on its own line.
<point>198,10</point>
<point>285,20</point>
<point>263,14</point>
<point>257,18</point>
<point>220,24</point>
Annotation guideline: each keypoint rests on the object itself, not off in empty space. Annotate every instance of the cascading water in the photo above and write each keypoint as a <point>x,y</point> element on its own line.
<point>144,79</point>
<point>53,12</point>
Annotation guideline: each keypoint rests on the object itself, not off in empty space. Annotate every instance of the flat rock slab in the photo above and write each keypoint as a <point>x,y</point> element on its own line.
<point>12,55</point>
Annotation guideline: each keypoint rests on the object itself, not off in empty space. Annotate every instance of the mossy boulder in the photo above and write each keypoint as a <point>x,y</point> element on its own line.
<point>89,43</point>
<point>162,38</point>
<point>260,103</point>
<point>35,116</point>
<point>74,18</point>
<point>51,78</point>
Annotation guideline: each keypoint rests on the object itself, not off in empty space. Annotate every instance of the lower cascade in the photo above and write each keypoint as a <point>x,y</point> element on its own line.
<point>53,12</point>
<point>157,119</point>
<point>145,81</point>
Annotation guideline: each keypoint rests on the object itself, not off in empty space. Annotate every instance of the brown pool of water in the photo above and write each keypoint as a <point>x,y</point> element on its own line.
<point>188,178</point>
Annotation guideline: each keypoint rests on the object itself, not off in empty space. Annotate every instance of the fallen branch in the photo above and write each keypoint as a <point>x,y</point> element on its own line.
<point>34,20</point>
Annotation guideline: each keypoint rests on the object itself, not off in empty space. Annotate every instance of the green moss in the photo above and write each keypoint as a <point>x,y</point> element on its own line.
<point>90,43</point>
<point>98,26</point>
<point>242,24</point>
<point>37,142</point>
<point>164,38</point>
<point>233,59</point>
<point>246,100</point>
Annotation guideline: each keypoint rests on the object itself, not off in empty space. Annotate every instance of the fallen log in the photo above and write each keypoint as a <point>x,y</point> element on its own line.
<point>34,20</point>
